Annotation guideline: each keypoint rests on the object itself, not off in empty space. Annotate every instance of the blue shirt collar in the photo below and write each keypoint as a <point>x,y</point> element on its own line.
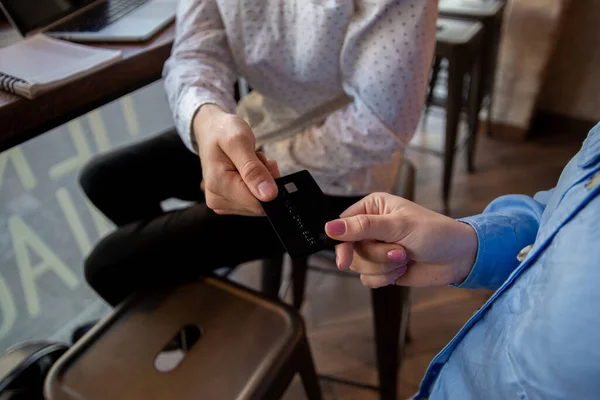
<point>590,151</point>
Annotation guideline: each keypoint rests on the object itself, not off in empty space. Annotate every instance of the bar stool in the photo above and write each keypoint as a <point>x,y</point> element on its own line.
<point>491,15</point>
<point>459,42</point>
<point>208,339</point>
<point>390,304</point>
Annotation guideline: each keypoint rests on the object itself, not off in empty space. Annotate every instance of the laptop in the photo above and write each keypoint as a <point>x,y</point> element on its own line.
<point>91,20</point>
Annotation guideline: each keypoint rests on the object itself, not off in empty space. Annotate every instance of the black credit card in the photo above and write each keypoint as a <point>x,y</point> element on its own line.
<point>299,213</point>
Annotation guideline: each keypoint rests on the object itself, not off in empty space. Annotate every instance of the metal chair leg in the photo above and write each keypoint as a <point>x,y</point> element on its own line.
<point>456,75</point>
<point>389,320</point>
<point>271,276</point>
<point>435,70</point>
<point>473,112</point>
<point>307,371</point>
<point>299,271</point>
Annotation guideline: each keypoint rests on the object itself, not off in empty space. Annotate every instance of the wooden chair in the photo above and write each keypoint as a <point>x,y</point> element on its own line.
<point>209,339</point>
<point>390,304</point>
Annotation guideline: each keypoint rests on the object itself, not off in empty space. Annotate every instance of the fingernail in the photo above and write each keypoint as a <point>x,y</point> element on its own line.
<point>337,261</point>
<point>266,189</point>
<point>336,227</point>
<point>396,255</point>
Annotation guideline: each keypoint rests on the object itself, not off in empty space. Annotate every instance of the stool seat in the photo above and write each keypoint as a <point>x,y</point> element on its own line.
<point>247,347</point>
<point>471,8</point>
<point>456,31</point>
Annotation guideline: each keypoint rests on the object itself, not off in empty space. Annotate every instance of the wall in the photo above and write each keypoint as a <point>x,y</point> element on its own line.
<point>530,31</point>
<point>572,83</point>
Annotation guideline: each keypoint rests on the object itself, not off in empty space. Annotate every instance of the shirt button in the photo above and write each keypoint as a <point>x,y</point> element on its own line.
<point>593,182</point>
<point>523,253</point>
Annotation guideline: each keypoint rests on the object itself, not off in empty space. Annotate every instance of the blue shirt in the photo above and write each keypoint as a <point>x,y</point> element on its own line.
<point>538,336</point>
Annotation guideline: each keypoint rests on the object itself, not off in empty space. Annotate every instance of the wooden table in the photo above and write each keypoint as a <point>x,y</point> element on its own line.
<point>141,64</point>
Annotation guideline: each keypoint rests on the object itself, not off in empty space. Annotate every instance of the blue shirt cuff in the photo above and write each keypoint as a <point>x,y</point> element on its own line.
<point>496,254</point>
<point>507,225</point>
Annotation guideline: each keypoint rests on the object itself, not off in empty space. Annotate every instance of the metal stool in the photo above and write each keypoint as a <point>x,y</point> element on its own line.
<point>390,304</point>
<point>459,42</point>
<point>491,16</point>
<point>208,339</point>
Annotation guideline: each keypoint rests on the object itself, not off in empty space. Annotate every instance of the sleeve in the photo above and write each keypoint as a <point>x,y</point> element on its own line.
<point>385,62</point>
<point>505,227</point>
<point>561,332</point>
<point>200,69</point>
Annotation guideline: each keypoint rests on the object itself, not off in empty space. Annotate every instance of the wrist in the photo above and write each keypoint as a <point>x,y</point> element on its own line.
<point>207,111</point>
<point>468,254</point>
<point>203,118</point>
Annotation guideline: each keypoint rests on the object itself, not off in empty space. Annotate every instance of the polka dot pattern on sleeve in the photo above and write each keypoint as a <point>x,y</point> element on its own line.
<point>300,54</point>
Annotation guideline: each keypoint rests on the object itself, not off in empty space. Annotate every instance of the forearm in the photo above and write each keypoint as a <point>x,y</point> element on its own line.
<point>200,69</point>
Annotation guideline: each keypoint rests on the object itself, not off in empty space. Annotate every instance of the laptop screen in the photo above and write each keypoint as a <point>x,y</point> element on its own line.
<point>29,15</point>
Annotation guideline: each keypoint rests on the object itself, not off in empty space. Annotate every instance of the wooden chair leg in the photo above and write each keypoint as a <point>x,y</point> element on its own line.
<point>299,271</point>
<point>388,309</point>
<point>271,276</point>
<point>307,371</point>
<point>456,75</point>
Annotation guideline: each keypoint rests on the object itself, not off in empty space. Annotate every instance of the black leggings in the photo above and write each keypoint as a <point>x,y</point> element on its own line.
<point>150,247</point>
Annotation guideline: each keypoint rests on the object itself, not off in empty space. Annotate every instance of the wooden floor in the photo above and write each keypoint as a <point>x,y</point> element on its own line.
<point>337,310</point>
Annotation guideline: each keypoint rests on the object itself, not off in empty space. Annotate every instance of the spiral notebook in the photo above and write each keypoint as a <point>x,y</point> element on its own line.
<point>40,63</point>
